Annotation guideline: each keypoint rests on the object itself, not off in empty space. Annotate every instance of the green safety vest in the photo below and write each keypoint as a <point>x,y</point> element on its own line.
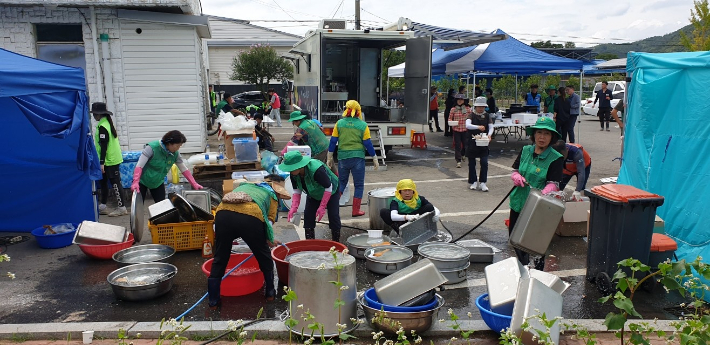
<point>157,167</point>
<point>535,172</point>
<point>314,189</point>
<point>550,103</point>
<point>220,105</point>
<point>262,198</point>
<point>316,138</point>
<point>350,133</point>
<point>213,98</point>
<point>113,149</point>
<point>404,209</point>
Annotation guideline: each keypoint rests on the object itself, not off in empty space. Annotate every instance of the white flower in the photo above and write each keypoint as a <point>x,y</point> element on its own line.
<point>345,251</point>
<point>340,326</point>
<point>400,331</point>
<point>332,250</point>
<point>453,339</point>
<point>138,335</point>
<point>344,287</point>
<point>442,320</point>
<point>418,340</point>
<point>11,275</point>
<point>300,306</point>
<point>469,314</point>
<point>243,334</point>
<point>321,267</point>
<point>4,257</point>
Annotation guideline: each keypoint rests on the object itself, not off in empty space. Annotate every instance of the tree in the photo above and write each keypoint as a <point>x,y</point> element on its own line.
<point>259,65</point>
<point>392,58</point>
<point>570,45</point>
<point>547,44</point>
<point>607,56</point>
<point>699,39</point>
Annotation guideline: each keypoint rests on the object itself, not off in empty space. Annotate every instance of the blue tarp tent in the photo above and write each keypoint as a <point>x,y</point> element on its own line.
<point>48,159</point>
<point>666,142</point>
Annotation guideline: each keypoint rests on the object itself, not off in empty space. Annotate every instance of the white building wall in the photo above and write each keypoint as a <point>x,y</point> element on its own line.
<point>220,62</point>
<point>187,6</point>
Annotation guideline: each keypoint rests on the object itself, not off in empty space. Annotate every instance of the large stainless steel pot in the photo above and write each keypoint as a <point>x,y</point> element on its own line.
<point>378,199</point>
<point>418,322</point>
<point>390,259</point>
<point>144,254</point>
<point>445,256</point>
<point>358,244</point>
<point>142,281</point>
<point>456,275</point>
<point>309,276</point>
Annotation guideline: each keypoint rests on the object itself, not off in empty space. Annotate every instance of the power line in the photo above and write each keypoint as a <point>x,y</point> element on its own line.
<point>337,8</point>
<point>289,14</point>
<point>386,21</point>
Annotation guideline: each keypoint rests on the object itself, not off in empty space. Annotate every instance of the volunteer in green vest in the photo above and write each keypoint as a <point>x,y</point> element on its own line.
<point>249,212</point>
<point>213,98</point>
<point>550,99</point>
<point>155,161</point>
<point>308,133</point>
<point>312,177</point>
<point>407,206</point>
<point>537,166</point>
<point>352,138</point>
<point>110,157</point>
<point>225,106</point>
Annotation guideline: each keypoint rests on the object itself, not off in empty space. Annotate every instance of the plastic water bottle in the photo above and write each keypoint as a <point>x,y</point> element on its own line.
<point>207,155</point>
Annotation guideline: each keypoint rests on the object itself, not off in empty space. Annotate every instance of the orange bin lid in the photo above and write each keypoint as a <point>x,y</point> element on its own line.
<point>662,243</point>
<point>622,192</point>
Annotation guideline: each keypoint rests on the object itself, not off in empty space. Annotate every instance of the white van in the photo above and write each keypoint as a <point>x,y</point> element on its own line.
<point>617,91</point>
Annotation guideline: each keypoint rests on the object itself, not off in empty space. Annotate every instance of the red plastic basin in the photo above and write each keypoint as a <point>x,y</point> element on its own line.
<point>105,251</point>
<point>244,280</point>
<point>279,253</point>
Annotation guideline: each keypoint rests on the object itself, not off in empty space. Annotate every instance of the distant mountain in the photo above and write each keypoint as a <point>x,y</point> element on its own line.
<point>658,44</point>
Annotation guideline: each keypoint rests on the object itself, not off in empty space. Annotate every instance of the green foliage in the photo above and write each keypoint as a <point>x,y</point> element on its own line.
<point>392,58</point>
<point>570,45</point>
<point>607,56</point>
<point>546,44</point>
<point>699,40</point>
<point>174,333</point>
<point>504,90</point>
<point>259,65</point>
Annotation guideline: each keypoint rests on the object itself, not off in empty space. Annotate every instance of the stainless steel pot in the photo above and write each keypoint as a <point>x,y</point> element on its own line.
<point>378,199</point>
<point>445,256</point>
<point>418,322</point>
<point>391,259</point>
<point>142,281</point>
<point>455,276</point>
<point>146,253</point>
<point>358,244</point>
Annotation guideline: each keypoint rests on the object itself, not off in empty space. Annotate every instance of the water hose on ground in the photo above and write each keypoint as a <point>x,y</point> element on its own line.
<point>485,219</point>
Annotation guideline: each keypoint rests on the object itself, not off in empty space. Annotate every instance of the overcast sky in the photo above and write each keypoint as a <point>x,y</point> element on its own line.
<point>585,22</point>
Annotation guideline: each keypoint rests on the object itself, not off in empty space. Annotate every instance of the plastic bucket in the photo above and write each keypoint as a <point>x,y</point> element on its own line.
<point>246,279</point>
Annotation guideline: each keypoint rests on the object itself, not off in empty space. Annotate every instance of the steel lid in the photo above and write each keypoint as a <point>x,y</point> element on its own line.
<point>389,254</point>
<point>387,192</point>
<point>443,251</point>
<point>319,260</point>
<point>363,240</point>
<point>184,207</point>
<point>137,216</point>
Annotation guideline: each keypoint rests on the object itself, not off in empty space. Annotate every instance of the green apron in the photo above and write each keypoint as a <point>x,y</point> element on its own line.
<point>262,198</point>
<point>316,138</point>
<point>403,208</point>
<point>535,172</point>
<point>113,149</point>
<point>313,188</point>
<point>157,167</point>
<point>350,135</point>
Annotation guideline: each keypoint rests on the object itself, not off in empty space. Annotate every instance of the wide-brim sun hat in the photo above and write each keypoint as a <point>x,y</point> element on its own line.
<point>480,102</point>
<point>294,160</point>
<point>295,116</point>
<point>542,123</point>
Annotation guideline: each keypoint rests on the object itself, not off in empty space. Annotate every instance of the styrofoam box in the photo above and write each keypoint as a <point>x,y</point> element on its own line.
<point>524,118</point>
<point>576,211</point>
<point>549,279</point>
<point>305,150</point>
<point>502,280</point>
<point>536,298</point>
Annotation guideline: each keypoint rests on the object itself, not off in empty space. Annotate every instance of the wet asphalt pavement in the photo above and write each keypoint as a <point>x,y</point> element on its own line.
<point>63,285</point>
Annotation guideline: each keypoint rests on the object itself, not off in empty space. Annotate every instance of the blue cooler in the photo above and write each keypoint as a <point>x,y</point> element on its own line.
<point>130,159</point>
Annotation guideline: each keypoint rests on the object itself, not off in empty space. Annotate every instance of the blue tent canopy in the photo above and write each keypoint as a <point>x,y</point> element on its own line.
<point>49,161</point>
<point>666,142</point>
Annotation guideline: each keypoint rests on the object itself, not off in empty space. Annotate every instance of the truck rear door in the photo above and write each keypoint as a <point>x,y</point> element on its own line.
<point>417,79</point>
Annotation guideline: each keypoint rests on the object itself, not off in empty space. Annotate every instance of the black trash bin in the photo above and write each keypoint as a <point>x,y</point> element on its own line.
<point>620,227</point>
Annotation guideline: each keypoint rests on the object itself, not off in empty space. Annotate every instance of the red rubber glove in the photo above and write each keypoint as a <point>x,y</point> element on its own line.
<point>191,179</point>
<point>549,188</point>
<point>295,202</point>
<point>290,143</point>
<point>136,179</point>
<point>518,180</point>
<point>323,204</point>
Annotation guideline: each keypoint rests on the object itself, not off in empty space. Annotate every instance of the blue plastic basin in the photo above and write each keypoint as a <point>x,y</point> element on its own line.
<point>495,321</point>
<point>54,241</point>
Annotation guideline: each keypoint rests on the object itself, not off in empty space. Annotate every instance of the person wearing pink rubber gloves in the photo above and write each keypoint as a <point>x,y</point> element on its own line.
<point>156,159</point>
<point>537,166</point>
<point>312,177</point>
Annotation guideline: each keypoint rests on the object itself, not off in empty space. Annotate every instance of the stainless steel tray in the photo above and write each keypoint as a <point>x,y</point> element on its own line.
<point>172,216</point>
<point>94,233</point>
<point>537,222</point>
<point>160,208</point>
<point>420,230</point>
<point>409,282</point>
<point>144,254</point>
<point>200,198</point>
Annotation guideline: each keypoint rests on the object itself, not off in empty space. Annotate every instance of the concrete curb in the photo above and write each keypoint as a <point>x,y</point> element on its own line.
<point>269,329</point>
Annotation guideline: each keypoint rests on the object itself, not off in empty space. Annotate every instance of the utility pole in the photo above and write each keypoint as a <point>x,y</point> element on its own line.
<point>357,14</point>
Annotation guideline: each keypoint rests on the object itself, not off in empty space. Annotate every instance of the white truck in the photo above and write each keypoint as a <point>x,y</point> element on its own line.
<point>618,88</point>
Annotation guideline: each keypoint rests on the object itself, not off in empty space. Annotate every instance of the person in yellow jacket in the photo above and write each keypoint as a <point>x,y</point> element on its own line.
<point>110,157</point>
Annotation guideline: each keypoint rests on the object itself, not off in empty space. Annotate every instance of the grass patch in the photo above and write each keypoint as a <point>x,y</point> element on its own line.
<point>20,337</point>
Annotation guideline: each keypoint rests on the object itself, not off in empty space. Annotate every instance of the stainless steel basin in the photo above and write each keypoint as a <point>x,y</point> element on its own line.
<point>142,281</point>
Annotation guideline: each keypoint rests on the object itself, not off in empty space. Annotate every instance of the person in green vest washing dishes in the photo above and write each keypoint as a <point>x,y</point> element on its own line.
<point>110,157</point>
<point>249,212</point>
<point>352,138</point>
<point>156,159</point>
<point>312,177</point>
<point>308,133</point>
<point>537,166</point>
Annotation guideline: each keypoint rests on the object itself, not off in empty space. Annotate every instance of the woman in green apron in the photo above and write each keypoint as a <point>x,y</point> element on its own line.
<point>537,166</point>
<point>110,157</point>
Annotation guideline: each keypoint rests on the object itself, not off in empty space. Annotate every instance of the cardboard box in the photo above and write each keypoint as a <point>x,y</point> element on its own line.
<point>305,150</point>
<point>659,226</point>
<point>230,135</point>
<point>227,186</point>
<point>575,220</point>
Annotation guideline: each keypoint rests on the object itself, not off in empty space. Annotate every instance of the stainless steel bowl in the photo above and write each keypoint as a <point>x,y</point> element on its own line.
<point>384,264</point>
<point>389,322</point>
<point>455,276</point>
<point>144,254</point>
<point>358,244</point>
<point>446,256</point>
<point>142,281</point>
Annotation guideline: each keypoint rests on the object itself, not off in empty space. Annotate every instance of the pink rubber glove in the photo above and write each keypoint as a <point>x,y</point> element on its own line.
<point>549,188</point>
<point>295,202</point>
<point>136,179</point>
<point>290,143</point>
<point>191,179</point>
<point>323,204</point>
<point>518,180</point>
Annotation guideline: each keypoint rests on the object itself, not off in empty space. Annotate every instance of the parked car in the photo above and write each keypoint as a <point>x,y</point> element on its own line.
<point>617,91</point>
<point>242,100</point>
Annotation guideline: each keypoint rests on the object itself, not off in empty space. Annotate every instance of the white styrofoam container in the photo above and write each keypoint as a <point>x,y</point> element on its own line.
<point>551,280</point>
<point>502,280</point>
<point>305,150</point>
<point>482,142</point>
<point>536,298</point>
<point>524,118</point>
<point>576,211</point>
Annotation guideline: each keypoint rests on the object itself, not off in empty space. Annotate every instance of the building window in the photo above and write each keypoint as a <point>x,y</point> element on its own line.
<point>59,33</point>
<point>61,43</point>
